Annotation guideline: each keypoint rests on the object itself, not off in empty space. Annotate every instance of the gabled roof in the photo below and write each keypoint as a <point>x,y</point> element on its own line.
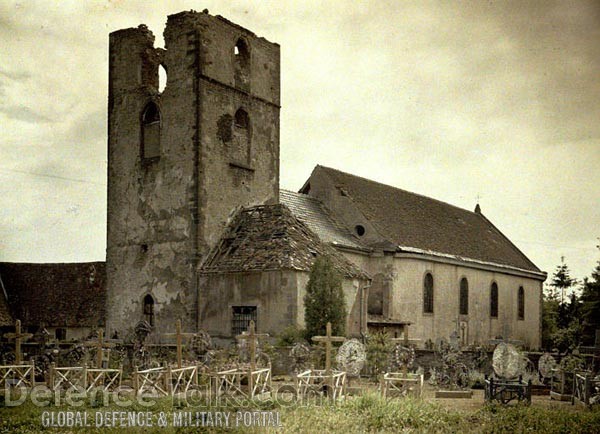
<point>311,212</point>
<point>58,295</point>
<point>6,318</point>
<point>270,237</point>
<point>411,221</point>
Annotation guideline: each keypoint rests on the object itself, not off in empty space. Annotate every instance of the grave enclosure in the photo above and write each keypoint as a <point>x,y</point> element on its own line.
<point>187,363</point>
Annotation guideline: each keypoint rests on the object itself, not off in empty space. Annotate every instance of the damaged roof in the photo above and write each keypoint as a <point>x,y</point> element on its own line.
<point>270,237</point>
<point>410,220</point>
<point>311,212</point>
<point>57,295</point>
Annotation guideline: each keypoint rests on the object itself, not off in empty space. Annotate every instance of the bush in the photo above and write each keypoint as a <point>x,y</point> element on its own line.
<point>290,336</point>
<point>324,301</point>
<point>379,349</point>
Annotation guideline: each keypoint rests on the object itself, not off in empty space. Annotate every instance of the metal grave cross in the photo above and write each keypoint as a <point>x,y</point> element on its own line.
<point>179,335</point>
<point>100,344</point>
<point>251,336</point>
<point>19,338</point>
<point>328,340</point>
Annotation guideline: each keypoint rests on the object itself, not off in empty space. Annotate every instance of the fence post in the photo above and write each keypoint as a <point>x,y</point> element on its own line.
<point>51,373</point>
<point>169,381</point>
<point>136,380</point>
<point>32,373</point>
<point>84,379</point>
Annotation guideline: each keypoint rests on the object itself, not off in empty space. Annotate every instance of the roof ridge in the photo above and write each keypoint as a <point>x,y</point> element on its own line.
<point>398,188</point>
<point>52,263</point>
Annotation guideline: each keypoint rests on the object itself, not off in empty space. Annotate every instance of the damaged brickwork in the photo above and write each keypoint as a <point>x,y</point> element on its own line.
<point>166,212</point>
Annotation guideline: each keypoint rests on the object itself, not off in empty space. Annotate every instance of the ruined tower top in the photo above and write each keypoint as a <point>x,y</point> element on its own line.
<point>183,155</point>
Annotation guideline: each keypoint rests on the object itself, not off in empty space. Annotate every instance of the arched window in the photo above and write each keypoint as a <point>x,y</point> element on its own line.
<point>494,300</point>
<point>241,56</point>
<point>149,309</point>
<point>521,303</point>
<point>151,131</point>
<point>464,296</point>
<point>428,293</point>
<point>241,137</point>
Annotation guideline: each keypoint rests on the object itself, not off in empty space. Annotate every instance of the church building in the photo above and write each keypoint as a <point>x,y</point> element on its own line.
<point>199,230</point>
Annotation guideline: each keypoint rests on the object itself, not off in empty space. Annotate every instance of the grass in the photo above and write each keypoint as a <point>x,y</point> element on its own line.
<point>367,413</point>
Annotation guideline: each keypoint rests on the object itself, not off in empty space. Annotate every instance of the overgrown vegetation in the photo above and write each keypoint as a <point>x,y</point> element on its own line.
<point>367,413</point>
<point>324,301</point>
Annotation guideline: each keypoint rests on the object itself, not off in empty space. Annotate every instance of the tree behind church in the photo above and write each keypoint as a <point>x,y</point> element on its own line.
<point>324,300</point>
<point>590,298</point>
<point>561,321</point>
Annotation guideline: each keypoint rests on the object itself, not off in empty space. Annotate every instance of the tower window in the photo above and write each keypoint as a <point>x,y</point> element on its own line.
<point>149,309</point>
<point>428,294</point>
<point>151,132</point>
<point>464,296</point>
<point>240,151</point>
<point>242,315</point>
<point>521,303</point>
<point>241,56</point>
<point>494,300</point>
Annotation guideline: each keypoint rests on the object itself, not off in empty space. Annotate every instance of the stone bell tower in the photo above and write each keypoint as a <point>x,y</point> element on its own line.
<point>182,160</point>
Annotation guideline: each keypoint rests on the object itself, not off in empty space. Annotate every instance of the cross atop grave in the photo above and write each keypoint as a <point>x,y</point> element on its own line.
<point>179,335</point>
<point>19,338</point>
<point>251,336</point>
<point>328,339</point>
<point>405,341</point>
<point>100,344</point>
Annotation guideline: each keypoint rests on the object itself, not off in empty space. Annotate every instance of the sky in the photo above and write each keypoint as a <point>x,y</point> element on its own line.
<point>496,102</point>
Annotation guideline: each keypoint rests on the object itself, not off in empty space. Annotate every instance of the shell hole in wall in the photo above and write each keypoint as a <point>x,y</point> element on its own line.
<point>360,230</point>
<point>162,78</point>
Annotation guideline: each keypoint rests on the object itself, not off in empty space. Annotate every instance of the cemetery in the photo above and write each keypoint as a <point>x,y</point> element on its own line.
<point>328,371</point>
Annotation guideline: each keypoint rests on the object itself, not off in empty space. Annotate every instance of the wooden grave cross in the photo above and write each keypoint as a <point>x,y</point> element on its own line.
<point>19,338</point>
<point>179,335</point>
<point>328,340</point>
<point>100,344</point>
<point>406,342</point>
<point>251,336</point>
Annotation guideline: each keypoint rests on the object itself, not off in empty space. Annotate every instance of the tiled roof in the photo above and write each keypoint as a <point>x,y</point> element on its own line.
<point>58,295</point>
<point>414,221</point>
<point>270,237</point>
<point>5,316</point>
<point>311,212</point>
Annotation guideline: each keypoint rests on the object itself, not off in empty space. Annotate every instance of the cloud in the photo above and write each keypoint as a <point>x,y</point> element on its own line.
<point>24,114</point>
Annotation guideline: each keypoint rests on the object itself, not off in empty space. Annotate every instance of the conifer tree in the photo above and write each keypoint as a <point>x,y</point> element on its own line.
<point>324,300</point>
<point>590,308</point>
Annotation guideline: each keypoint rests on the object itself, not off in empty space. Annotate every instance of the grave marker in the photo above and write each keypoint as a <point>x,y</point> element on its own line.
<point>19,338</point>
<point>328,340</point>
<point>100,344</point>
<point>252,336</point>
<point>179,335</point>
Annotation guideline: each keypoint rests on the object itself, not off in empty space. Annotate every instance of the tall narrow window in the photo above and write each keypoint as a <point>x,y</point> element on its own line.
<point>151,132</point>
<point>464,296</point>
<point>240,151</point>
<point>242,315</point>
<point>428,293</point>
<point>494,300</point>
<point>521,302</point>
<point>241,56</point>
<point>149,309</point>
